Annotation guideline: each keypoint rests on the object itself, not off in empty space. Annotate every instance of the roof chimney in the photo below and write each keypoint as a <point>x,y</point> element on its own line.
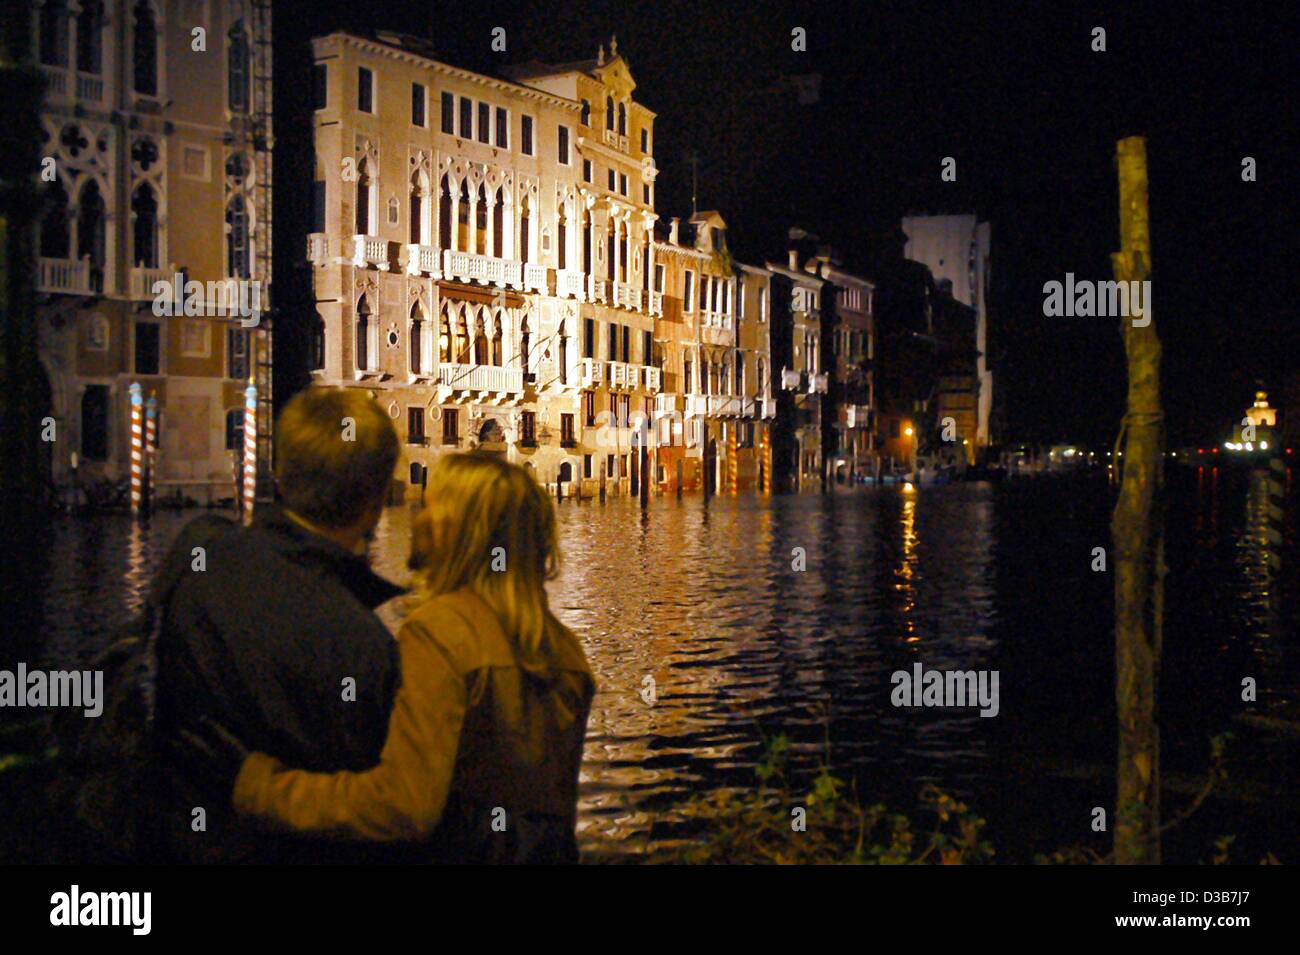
<point>672,230</point>
<point>794,260</point>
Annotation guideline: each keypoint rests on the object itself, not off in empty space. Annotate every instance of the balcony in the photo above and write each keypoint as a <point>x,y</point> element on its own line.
<point>597,290</point>
<point>57,78</point>
<point>855,416</point>
<point>320,249</point>
<point>68,277</point>
<point>483,382</point>
<point>697,406</point>
<point>666,404</point>
<point>593,372</point>
<point>766,407</point>
<point>484,269</point>
<point>90,87</point>
<point>370,252</point>
<point>654,303</point>
<point>621,375</point>
<point>569,284</point>
<point>724,406</point>
<point>613,140</point>
<point>627,296</point>
<point>422,260</point>
<point>817,384</point>
<point>535,279</point>
<point>144,279</point>
<point>791,379</point>
<point>654,379</point>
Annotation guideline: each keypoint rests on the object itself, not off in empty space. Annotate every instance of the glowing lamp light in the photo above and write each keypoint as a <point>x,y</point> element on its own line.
<point>907,431</point>
<point>907,486</point>
<point>1263,445</point>
<point>1250,446</point>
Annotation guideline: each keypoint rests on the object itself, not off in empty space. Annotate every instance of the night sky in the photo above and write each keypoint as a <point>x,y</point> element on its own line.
<point>1030,113</point>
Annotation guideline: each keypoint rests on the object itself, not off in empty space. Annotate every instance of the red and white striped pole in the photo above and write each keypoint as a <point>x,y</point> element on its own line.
<point>137,448</point>
<point>250,450</point>
<point>151,445</point>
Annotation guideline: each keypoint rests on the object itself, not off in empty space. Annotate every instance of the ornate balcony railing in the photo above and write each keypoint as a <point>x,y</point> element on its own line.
<point>627,296</point>
<point>697,406</point>
<point>66,276</point>
<point>767,407</point>
<point>484,269</point>
<point>654,302</point>
<point>144,279</point>
<point>319,249</point>
<point>90,87</point>
<point>593,372</point>
<point>370,252</point>
<point>724,406</point>
<point>57,77</point>
<point>615,141</point>
<point>569,284</point>
<point>597,289</point>
<point>622,375</point>
<point>666,404</point>
<point>535,278</point>
<point>654,378</point>
<point>817,384</point>
<point>790,379</point>
<point>485,379</point>
<point>422,260</point>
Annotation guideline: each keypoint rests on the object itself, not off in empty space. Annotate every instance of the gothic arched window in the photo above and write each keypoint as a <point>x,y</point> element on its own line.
<point>144,229</point>
<point>237,68</point>
<point>55,238</point>
<point>144,53</point>
<point>237,258</point>
<point>90,37</point>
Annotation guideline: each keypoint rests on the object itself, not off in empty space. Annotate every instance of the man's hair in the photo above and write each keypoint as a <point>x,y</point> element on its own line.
<point>335,454</point>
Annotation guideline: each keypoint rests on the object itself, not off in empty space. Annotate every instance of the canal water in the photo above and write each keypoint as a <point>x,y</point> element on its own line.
<point>714,626</point>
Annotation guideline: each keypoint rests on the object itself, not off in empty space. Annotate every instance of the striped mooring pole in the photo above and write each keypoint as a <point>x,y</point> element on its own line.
<point>137,447</point>
<point>1276,491</point>
<point>151,448</point>
<point>250,450</point>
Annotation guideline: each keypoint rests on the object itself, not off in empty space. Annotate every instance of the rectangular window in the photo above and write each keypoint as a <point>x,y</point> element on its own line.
<point>365,90</point>
<point>449,114</point>
<point>528,428</point>
<point>147,348</point>
<point>622,184</point>
<point>318,206</point>
<point>415,425</point>
<point>609,465</point>
<point>564,145</point>
<point>566,431</point>
<point>645,140</point>
<point>526,136</point>
<point>450,430</point>
<point>466,118</point>
<point>659,279</point>
<point>686,376</point>
<point>418,98</point>
<point>611,180</point>
<point>503,128</point>
<point>589,408</point>
<point>586,170</point>
<point>237,354</point>
<point>586,465</point>
<point>320,86</point>
<point>647,348</point>
<point>688,292</point>
<point>484,123</point>
<point>611,344</point>
<point>645,193</point>
<point>588,338</point>
<point>627,344</point>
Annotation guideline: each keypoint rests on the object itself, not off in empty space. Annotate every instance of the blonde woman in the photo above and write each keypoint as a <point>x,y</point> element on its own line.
<point>485,739</point>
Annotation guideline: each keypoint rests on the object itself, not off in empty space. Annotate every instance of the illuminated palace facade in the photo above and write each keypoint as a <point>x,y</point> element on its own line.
<point>156,128</point>
<point>487,261</point>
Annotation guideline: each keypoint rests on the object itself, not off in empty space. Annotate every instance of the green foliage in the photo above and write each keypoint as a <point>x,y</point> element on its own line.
<point>825,825</point>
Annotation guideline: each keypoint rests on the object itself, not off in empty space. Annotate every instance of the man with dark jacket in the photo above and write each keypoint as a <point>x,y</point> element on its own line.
<point>271,631</point>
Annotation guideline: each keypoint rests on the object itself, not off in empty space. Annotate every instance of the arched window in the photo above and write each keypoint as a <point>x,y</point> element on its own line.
<point>562,237</point>
<point>237,258</point>
<point>364,321</point>
<point>586,112</point>
<point>462,218</point>
<point>609,251</point>
<point>498,223</point>
<point>55,240</point>
<point>237,68</point>
<point>740,373</point>
<point>496,340</point>
<point>622,119</point>
<point>444,215</point>
<point>480,342</point>
<point>564,353</point>
<point>365,198</point>
<point>444,337</point>
<point>318,343</point>
<point>525,341</point>
<point>144,213</point>
<point>525,245</point>
<point>144,53</point>
<point>90,225</point>
<point>54,33</point>
<point>416,343</point>
<point>464,344</point>
<point>609,112</point>
<point>481,222</point>
<point>421,227</point>
<point>90,37</point>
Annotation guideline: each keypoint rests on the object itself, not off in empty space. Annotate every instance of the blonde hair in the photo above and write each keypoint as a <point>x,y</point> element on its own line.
<point>490,527</point>
<point>335,450</point>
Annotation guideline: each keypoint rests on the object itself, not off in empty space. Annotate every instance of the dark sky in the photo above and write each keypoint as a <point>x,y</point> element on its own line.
<point>1030,113</point>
